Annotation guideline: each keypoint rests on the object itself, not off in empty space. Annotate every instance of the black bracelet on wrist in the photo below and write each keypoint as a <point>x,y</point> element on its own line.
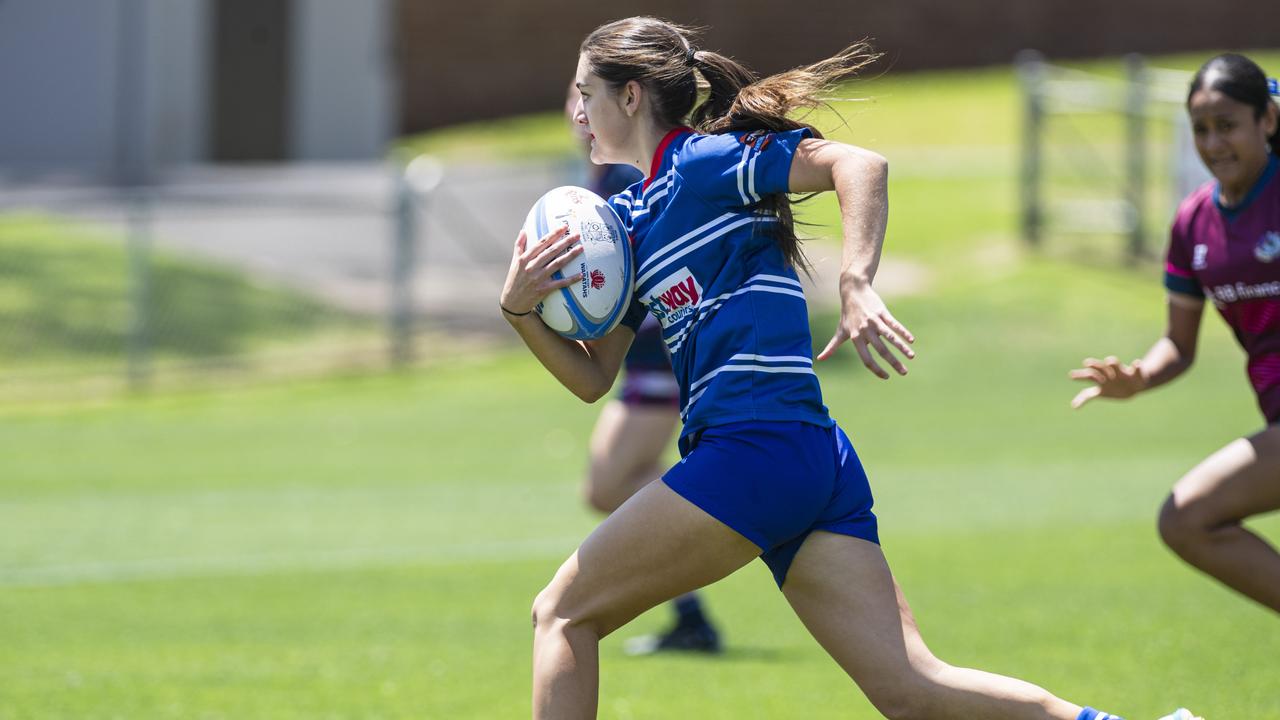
<point>514,314</point>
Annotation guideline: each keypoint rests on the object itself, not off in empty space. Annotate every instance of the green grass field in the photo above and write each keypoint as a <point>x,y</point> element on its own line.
<point>368,547</point>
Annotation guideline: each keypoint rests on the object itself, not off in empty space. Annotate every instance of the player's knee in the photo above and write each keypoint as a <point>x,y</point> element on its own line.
<point>598,498</point>
<point>551,611</point>
<point>547,608</point>
<point>537,609</point>
<point>1179,524</point>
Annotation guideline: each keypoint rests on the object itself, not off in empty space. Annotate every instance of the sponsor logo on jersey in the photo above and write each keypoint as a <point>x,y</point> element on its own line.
<point>758,139</point>
<point>1223,294</point>
<point>597,279</point>
<point>1198,256</point>
<point>674,298</point>
<point>1268,247</point>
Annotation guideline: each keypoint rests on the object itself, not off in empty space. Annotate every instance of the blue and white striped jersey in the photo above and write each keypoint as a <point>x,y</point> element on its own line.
<point>733,313</point>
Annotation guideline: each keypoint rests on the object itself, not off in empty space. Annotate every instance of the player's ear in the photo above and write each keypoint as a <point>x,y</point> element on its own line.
<point>631,94</point>
<point>1271,119</point>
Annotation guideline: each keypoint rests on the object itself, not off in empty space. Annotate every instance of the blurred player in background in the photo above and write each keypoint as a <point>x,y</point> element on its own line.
<point>765,472</point>
<point>1225,246</point>
<point>636,427</point>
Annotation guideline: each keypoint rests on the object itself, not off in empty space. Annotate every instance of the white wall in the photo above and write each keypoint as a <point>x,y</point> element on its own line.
<point>63,105</point>
<point>57,84</point>
<point>179,37</point>
<point>343,87</point>
<point>66,107</point>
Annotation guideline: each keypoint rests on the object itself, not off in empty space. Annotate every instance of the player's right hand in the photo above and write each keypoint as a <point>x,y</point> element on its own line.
<point>867,324</point>
<point>1111,379</point>
<point>529,278</point>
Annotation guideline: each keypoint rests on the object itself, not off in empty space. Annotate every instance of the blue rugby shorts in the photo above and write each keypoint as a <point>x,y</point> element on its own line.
<point>776,482</point>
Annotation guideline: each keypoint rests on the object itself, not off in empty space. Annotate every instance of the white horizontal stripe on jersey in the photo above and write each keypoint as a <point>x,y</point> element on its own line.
<point>657,185</point>
<point>773,358</point>
<point>647,195</point>
<point>678,241</point>
<point>684,414</point>
<point>776,278</point>
<point>758,358</point>
<point>649,203</point>
<point>648,275</point>
<point>675,342</point>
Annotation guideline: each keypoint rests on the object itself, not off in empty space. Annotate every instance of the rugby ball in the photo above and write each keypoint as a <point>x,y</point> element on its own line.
<point>590,308</point>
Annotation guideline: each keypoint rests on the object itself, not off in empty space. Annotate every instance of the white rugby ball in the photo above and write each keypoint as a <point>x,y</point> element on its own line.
<point>590,308</point>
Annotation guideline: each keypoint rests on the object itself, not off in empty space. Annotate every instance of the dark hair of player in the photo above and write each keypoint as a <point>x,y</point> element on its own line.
<point>662,58</point>
<point>1240,79</point>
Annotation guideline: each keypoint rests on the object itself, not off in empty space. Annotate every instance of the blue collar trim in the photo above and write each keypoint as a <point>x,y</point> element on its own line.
<point>1231,212</point>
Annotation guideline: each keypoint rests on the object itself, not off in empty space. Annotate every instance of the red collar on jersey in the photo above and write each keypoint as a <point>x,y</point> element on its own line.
<point>662,150</point>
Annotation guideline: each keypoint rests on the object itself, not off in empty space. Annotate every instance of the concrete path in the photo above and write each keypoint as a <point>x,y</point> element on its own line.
<point>328,229</point>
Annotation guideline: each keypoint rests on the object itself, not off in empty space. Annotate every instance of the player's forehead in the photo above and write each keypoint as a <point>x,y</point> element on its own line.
<point>1206,104</point>
<point>583,78</point>
<point>582,74</point>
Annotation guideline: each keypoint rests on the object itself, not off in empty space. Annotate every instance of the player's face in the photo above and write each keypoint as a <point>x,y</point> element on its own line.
<point>601,114</point>
<point>1231,140</point>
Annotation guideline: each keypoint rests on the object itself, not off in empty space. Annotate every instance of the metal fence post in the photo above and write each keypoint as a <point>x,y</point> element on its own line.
<point>133,172</point>
<point>1031,72</point>
<point>414,184</point>
<point>1136,152</point>
<point>139,252</point>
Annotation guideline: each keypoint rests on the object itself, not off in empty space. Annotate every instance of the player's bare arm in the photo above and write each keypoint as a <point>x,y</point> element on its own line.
<point>587,369</point>
<point>860,179</point>
<point>1168,358</point>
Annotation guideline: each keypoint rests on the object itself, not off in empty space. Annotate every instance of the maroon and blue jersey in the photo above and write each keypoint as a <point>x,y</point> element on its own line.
<point>732,310</point>
<point>1232,257</point>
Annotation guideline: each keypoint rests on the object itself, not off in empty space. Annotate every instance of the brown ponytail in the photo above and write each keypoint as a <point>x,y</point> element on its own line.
<point>661,56</point>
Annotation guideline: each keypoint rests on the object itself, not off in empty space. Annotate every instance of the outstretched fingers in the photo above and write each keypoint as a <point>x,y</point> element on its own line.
<point>838,338</point>
<point>875,342</point>
<point>871,337</point>
<point>1087,374</point>
<point>1110,378</point>
<point>1085,396</point>
<point>875,332</point>
<point>901,333</point>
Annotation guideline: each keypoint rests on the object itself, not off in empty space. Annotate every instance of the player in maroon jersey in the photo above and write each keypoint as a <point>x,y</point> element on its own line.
<point>1225,247</point>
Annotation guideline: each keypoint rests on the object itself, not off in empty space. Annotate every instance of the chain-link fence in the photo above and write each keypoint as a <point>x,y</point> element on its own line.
<point>224,273</point>
<point>1104,156</point>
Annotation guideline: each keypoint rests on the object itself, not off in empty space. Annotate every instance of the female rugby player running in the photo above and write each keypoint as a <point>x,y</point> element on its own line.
<point>634,428</point>
<point>765,471</point>
<point>1225,246</point>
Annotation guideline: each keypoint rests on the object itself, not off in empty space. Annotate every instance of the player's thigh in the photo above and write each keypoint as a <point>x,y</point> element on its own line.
<point>629,438</point>
<point>844,593</point>
<point>655,547</point>
<point>1240,480</point>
